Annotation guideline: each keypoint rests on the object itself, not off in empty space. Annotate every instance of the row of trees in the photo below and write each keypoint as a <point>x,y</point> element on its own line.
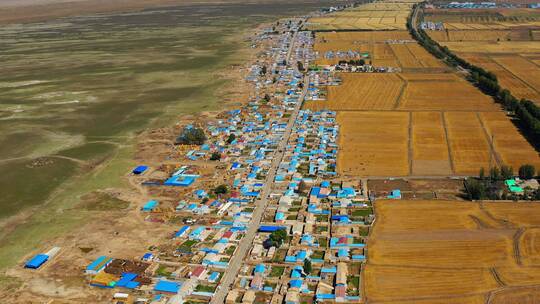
<point>527,112</point>
<point>490,185</point>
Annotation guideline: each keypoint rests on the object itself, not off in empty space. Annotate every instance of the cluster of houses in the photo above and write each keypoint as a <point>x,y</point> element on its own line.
<point>209,221</point>
<point>324,219</point>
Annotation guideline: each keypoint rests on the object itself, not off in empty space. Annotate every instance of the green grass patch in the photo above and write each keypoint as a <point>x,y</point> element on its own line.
<point>276,271</point>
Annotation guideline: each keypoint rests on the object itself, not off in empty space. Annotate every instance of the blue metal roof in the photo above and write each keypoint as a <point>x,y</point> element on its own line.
<point>37,261</point>
<point>167,286</point>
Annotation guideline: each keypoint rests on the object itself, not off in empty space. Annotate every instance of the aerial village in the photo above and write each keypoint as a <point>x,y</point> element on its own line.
<point>273,218</point>
<point>251,199</point>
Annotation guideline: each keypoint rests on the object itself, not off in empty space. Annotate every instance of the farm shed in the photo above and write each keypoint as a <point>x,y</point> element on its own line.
<point>271,228</point>
<point>139,170</point>
<point>36,261</point>
<point>150,206</point>
<point>167,287</point>
<point>97,265</point>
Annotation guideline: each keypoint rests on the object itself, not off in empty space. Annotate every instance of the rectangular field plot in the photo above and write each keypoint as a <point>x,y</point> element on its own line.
<point>511,147</point>
<point>361,91</point>
<point>507,80</point>
<point>373,143</point>
<point>449,251</point>
<point>393,283</point>
<point>451,95</point>
<point>523,69</point>
<point>456,248</point>
<point>430,149</point>
<point>469,146</point>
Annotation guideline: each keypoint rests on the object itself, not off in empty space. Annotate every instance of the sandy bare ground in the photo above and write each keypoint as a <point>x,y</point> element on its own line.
<point>23,11</point>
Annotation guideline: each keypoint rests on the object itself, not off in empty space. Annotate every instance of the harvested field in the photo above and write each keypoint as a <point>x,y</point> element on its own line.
<point>469,147</point>
<point>507,80</point>
<point>523,69</point>
<point>426,59</point>
<point>511,147</point>
<point>430,149</point>
<point>494,47</point>
<point>529,247</point>
<point>522,215</point>
<point>371,37</point>
<point>437,95</point>
<point>366,149</point>
<point>405,56</point>
<point>449,252</point>
<point>393,283</point>
<point>524,295</point>
<point>370,16</point>
<point>469,248</point>
<point>362,91</point>
<point>519,276</point>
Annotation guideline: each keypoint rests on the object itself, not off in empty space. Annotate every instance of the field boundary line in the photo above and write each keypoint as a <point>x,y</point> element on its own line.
<point>496,276</point>
<point>404,86</point>
<point>489,140</point>
<point>515,241</point>
<point>410,144</point>
<point>449,147</point>
<point>396,56</point>
<point>516,76</point>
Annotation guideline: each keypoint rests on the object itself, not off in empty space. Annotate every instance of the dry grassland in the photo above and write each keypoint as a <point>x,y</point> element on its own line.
<point>440,95</point>
<point>451,252</point>
<point>430,149</point>
<point>361,91</point>
<point>511,147</point>
<point>373,143</point>
<point>469,147</point>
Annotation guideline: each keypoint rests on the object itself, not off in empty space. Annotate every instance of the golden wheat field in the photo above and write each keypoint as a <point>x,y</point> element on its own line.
<point>361,91</point>
<point>518,87</point>
<point>373,143</point>
<point>370,16</point>
<point>451,252</point>
<point>429,145</point>
<point>449,95</point>
<point>511,147</point>
<point>470,149</point>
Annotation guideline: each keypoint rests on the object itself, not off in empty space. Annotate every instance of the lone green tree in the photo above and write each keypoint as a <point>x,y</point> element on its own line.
<point>307,266</point>
<point>277,237</point>
<point>494,174</point>
<point>221,189</point>
<point>475,189</point>
<point>507,172</point>
<point>482,173</point>
<point>526,171</point>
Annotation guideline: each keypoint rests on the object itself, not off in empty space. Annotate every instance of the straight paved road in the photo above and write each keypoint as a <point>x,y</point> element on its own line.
<point>245,244</point>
